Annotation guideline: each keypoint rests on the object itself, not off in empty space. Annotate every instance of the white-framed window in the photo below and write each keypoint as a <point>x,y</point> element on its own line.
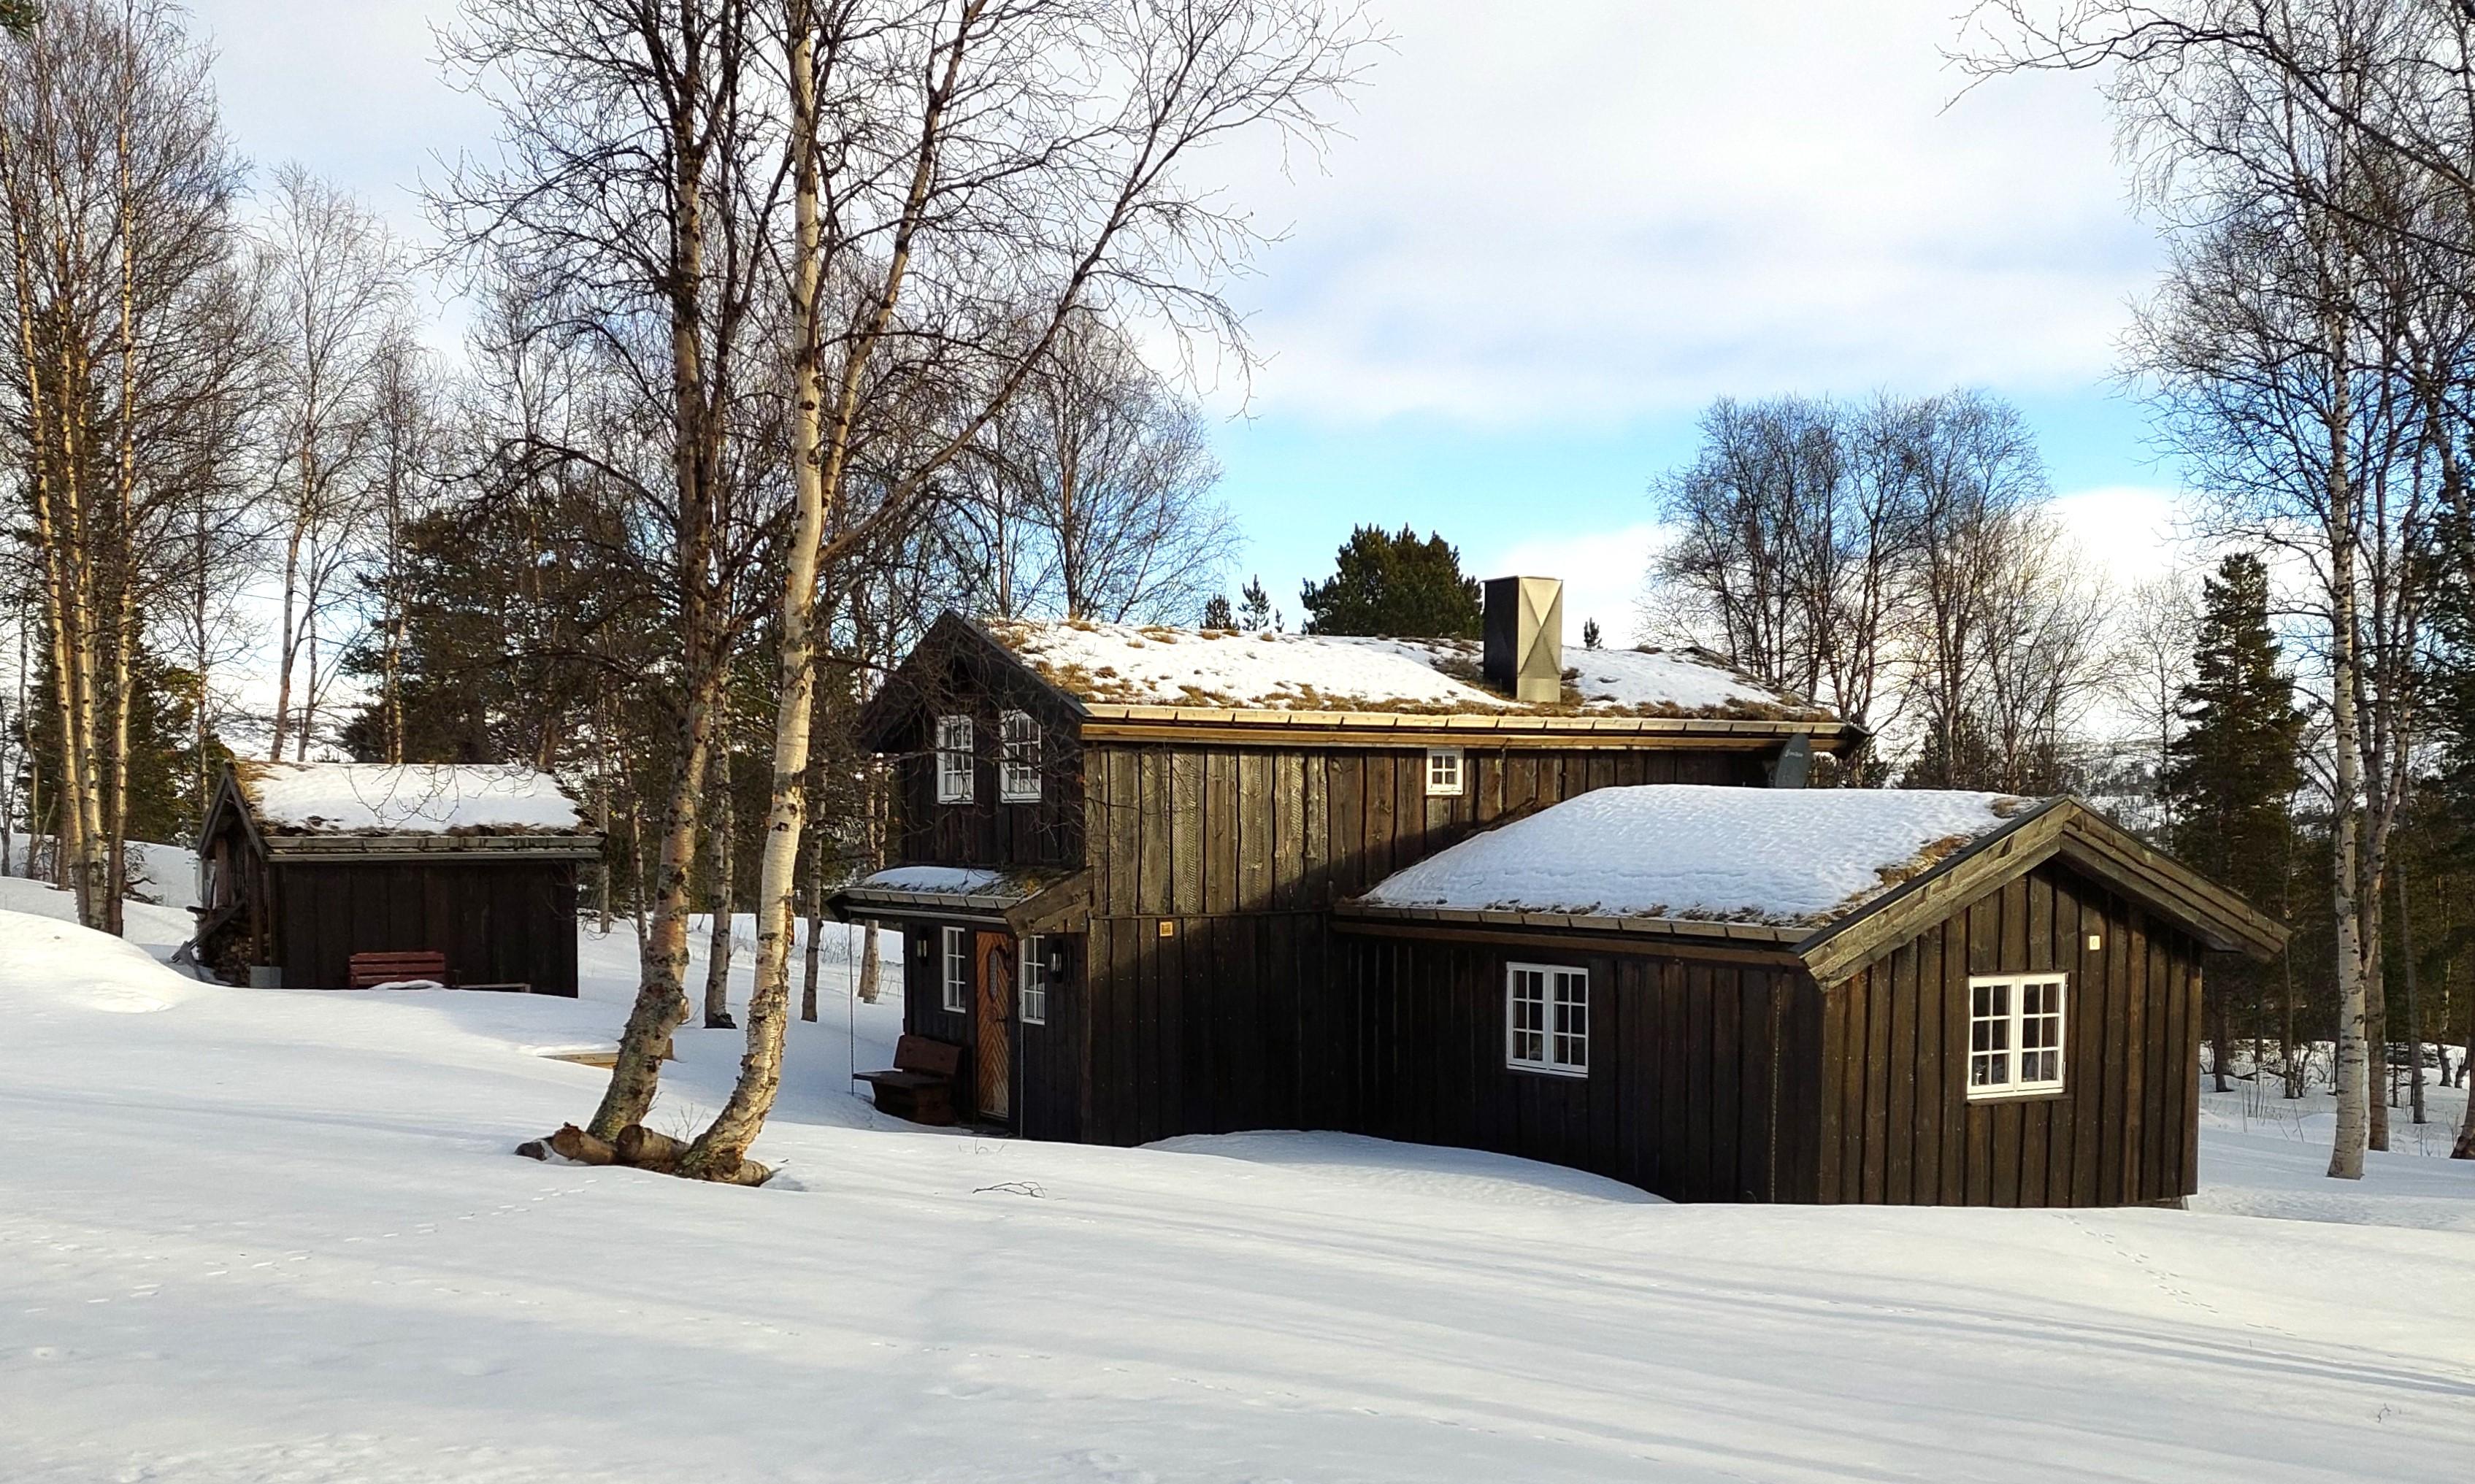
<point>1031,985</point>
<point>956,976</point>
<point>954,759</point>
<point>1018,771</point>
<point>1443,773</point>
<point>2015,1034</point>
<point>1547,1019</point>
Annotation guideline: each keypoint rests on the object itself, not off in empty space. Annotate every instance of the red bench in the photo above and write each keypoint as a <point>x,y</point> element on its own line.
<point>369,970</point>
<point>921,1087</point>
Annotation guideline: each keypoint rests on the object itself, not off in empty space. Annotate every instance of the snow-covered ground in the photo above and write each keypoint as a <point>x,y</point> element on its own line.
<point>277,1235</point>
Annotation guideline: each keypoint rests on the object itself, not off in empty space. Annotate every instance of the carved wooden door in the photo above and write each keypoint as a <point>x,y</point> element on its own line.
<point>992,1068</point>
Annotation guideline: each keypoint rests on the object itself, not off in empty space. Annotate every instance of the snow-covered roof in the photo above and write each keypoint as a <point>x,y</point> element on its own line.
<point>945,881</point>
<point>1152,665</point>
<point>1781,857</point>
<point>418,798</point>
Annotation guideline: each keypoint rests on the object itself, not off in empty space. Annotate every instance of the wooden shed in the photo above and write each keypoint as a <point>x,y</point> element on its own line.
<point>1825,996</point>
<point>304,865</point>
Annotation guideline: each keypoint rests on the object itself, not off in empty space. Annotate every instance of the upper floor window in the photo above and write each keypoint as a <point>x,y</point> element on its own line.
<point>1547,1019</point>
<point>1032,986</point>
<point>1018,771</point>
<point>954,759</point>
<point>1443,773</point>
<point>956,979</point>
<point>2015,1034</point>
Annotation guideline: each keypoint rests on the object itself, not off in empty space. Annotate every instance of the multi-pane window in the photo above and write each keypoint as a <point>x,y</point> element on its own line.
<point>2015,1034</point>
<point>956,979</point>
<point>1443,773</point>
<point>1019,770</point>
<point>1032,986</point>
<point>953,759</point>
<point>1547,1019</point>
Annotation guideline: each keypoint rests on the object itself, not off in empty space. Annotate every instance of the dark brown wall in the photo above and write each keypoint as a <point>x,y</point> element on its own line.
<point>1048,1086</point>
<point>497,921</point>
<point>987,832</point>
<point>1193,830</point>
<point>1898,1127</point>
<point>1230,1022</point>
<point>1693,1090</point>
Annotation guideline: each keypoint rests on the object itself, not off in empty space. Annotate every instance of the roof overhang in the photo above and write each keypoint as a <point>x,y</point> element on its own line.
<point>2061,828</point>
<point>354,849</point>
<point>1049,904</point>
<point>1757,935</point>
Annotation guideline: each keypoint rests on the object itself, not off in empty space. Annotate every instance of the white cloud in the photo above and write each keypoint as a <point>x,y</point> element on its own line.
<point>1602,571</point>
<point>1635,206</point>
<point>2130,533</point>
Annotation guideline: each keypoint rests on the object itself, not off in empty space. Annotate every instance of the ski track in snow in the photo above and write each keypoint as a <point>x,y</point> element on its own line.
<point>259,1235</point>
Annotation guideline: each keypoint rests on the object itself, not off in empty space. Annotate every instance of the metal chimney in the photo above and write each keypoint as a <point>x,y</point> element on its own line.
<point>1525,638</point>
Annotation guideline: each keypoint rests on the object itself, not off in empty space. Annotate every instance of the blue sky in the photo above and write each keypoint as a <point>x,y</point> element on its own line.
<point>1534,250</point>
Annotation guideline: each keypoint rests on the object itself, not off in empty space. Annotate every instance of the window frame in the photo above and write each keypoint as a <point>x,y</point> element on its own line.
<point>1031,980</point>
<point>1555,1042</point>
<point>2012,1022</point>
<point>954,971</point>
<point>1018,758</point>
<point>957,769</point>
<point>1460,773</point>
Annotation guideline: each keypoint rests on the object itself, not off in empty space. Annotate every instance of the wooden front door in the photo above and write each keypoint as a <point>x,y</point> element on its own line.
<point>992,1068</point>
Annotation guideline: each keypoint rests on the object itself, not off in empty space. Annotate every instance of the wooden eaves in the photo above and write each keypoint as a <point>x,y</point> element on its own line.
<point>1043,905</point>
<point>430,845</point>
<point>2063,827</point>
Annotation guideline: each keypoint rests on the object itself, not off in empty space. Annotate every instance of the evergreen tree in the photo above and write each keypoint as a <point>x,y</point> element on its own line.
<point>1217,614</point>
<point>1259,614</point>
<point>1395,585</point>
<point>2232,774</point>
<point>1591,638</point>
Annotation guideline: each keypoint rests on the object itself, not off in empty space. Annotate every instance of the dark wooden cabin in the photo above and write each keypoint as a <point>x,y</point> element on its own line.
<point>304,865</point>
<point>1130,864</point>
<point>2005,1010</point>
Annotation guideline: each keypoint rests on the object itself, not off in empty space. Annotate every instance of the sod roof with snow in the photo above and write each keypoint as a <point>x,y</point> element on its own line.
<point>1781,857</point>
<point>1121,664</point>
<point>420,798</point>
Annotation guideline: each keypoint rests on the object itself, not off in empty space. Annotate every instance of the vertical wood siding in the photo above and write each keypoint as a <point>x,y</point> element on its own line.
<point>497,921</point>
<point>1694,1090</point>
<point>1896,1126</point>
<point>1233,1018</point>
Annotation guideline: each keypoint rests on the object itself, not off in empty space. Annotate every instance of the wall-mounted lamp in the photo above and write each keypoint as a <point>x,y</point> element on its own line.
<point>2095,942</point>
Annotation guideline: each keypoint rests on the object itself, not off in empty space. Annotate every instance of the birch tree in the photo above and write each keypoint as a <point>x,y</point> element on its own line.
<point>1052,144</point>
<point>631,203</point>
<point>116,191</point>
<point>335,298</point>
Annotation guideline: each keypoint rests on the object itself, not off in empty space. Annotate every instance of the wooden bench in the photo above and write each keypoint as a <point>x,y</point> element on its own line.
<point>921,1087</point>
<point>368,970</point>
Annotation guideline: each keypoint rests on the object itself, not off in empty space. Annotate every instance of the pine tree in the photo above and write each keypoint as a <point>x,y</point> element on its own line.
<point>2231,774</point>
<point>1217,614</point>
<point>1591,638</point>
<point>1397,585</point>
<point>1259,614</point>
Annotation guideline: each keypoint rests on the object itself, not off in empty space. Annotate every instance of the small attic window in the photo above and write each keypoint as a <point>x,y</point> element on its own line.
<point>954,759</point>
<point>1443,773</point>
